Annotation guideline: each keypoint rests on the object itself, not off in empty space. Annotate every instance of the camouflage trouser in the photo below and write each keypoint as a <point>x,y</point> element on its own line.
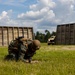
<point>22,57</point>
<point>10,57</point>
<point>22,50</point>
<point>19,55</point>
<point>13,56</point>
<point>29,55</point>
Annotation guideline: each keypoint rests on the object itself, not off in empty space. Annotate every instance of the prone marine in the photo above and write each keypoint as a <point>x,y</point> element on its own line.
<point>22,49</point>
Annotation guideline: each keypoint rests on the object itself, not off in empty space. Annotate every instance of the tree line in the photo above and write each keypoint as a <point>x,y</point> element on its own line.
<point>43,37</point>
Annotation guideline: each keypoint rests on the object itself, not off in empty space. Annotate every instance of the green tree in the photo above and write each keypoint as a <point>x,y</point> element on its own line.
<point>39,36</point>
<point>44,37</point>
<point>47,35</point>
<point>53,33</point>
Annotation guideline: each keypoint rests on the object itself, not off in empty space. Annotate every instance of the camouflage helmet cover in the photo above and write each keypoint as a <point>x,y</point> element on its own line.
<point>36,44</point>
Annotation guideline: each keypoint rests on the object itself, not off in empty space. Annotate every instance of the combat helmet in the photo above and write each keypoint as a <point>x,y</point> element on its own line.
<point>36,44</point>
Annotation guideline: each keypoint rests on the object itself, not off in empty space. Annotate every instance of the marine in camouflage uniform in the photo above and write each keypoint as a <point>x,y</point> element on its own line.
<point>23,49</point>
<point>32,47</point>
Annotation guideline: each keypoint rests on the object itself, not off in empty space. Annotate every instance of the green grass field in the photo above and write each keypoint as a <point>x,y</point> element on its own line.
<point>51,60</point>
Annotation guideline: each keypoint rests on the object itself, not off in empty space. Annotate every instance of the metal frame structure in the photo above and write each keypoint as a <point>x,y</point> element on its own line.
<point>10,33</point>
<point>65,34</point>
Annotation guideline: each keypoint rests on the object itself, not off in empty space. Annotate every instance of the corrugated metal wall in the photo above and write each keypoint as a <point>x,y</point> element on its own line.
<point>10,33</point>
<point>65,34</point>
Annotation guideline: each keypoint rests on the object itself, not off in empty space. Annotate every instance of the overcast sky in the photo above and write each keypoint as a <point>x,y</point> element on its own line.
<point>39,14</point>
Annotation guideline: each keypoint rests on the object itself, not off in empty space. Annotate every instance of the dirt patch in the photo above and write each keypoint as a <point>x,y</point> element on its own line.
<point>33,61</point>
<point>69,48</point>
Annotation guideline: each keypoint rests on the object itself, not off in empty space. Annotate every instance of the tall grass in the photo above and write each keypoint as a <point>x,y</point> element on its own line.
<point>52,60</point>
